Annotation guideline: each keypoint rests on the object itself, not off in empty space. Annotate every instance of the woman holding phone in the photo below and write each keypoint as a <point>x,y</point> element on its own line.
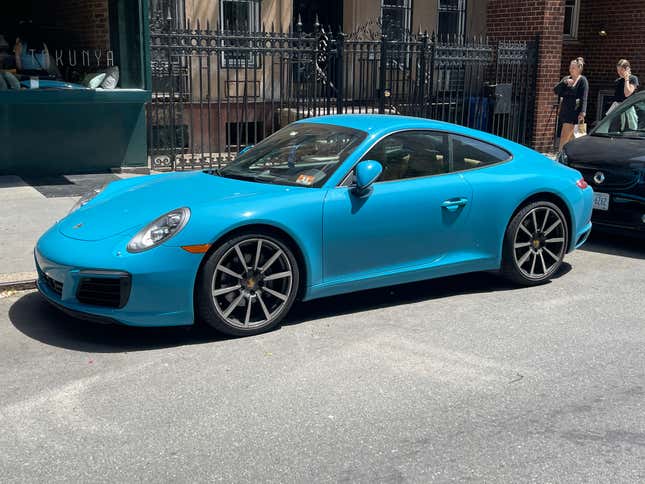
<point>573,91</point>
<point>626,84</point>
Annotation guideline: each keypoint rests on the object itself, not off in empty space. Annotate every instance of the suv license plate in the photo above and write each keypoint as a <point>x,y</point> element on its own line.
<point>601,201</point>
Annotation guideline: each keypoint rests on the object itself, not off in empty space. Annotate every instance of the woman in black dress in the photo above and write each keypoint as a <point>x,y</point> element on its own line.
<point>573,91</point>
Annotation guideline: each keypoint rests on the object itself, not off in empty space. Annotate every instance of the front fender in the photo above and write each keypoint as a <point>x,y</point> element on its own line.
<point>299,215</point>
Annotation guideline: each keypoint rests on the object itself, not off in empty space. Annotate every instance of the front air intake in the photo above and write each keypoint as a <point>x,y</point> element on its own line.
<point>109,291</point>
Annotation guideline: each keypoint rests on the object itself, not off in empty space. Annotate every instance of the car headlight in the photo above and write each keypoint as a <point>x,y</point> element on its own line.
<point>88,197</point>
<point>160,230</point>
<point>562,158</point>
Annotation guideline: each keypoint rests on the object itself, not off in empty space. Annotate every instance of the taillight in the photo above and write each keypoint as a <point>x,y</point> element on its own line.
<point>582,184</point>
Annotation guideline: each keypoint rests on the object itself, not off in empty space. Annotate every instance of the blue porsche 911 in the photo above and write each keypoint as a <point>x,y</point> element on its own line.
<point>324,206</point>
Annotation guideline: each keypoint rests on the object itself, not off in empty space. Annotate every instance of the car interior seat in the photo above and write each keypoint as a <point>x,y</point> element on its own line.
<point>396,163</point>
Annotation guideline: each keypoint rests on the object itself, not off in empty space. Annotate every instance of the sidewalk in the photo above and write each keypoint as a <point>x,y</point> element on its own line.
<point>31,205</point>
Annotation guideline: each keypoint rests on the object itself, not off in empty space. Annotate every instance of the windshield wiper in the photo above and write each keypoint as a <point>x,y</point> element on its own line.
<point>633,135</point>
<point>238,176</point>
<point>259,178</point>
<point>213,171</point>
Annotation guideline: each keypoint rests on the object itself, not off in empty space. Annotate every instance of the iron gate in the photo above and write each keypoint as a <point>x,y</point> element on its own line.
<point>216,91</point>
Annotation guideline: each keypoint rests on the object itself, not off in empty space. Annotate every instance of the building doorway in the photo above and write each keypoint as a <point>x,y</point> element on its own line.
<point>330,13</point>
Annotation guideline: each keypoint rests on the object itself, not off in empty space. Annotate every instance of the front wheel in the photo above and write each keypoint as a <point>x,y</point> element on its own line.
<point>535,244</point>
<point>248,285</point>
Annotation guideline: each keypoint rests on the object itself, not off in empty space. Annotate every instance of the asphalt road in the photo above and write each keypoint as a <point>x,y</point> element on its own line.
<point>458,379</point>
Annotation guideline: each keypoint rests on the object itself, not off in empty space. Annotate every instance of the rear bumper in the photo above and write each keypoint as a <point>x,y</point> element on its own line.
<point>581,223</point>
<point>582,236</point>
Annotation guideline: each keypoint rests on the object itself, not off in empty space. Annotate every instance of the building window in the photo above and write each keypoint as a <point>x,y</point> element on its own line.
<point>240,15</point>
<point>571,16</point>
<point>396,16</point>
<point>452,18</point>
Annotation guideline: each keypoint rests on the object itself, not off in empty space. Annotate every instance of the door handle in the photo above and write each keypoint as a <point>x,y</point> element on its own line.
<point>454,204</point>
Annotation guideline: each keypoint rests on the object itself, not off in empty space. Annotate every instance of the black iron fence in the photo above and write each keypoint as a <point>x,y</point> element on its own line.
<point>216,91</point>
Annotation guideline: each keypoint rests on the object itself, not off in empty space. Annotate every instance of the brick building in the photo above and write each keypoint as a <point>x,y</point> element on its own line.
<point>526,20</point>
<point>86,36</point>
<point>604,31</point>
<point>601,31</point>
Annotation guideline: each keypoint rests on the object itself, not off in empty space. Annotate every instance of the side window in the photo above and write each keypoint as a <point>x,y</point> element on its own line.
<point>411,154</point>
<point>468,153</point>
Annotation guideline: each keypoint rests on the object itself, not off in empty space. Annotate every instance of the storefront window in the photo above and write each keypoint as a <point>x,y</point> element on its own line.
<point>62,45</point>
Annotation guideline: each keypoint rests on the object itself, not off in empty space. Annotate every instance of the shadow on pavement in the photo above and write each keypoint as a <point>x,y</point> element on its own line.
<point>610,244</point>
<point>36,318</point>
<point>68,185</point>
<point>473,283</point>
<point>33,316</point>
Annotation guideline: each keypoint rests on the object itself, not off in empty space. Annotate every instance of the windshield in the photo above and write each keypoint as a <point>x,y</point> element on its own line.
<point>626,121</point>
<point>299,154</point>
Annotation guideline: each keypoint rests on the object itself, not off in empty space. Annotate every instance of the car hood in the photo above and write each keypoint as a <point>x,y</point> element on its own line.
<point>133,203</point>
<point>602,151</point>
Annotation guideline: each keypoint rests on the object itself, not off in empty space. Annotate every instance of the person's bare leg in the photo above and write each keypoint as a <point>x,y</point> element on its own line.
<point>566,135</point>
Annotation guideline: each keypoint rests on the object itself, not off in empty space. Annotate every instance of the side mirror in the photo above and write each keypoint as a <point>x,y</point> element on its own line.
<point>244,150</point>
<point>367,172</point>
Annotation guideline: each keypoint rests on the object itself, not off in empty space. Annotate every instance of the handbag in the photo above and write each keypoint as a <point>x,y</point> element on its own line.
<point>580,130</point>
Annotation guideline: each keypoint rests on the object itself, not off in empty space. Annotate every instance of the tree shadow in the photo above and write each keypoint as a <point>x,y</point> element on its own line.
<point>33,316</point>
<point>612,244</point>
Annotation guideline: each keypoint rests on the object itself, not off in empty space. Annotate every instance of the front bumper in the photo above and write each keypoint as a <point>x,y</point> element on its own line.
<point>152,288</point>
<point>625,214</point>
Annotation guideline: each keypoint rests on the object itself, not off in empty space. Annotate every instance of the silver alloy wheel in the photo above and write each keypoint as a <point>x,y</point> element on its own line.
<point>539,243</point>
<point>252,283</point>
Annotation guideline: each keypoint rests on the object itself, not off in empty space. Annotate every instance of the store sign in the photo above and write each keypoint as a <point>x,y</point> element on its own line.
<point>77,57</point>
<point>84,57</point>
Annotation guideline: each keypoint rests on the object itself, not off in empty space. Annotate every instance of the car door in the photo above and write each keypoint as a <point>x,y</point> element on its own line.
<point>414,217</point>
<point>483,167</point>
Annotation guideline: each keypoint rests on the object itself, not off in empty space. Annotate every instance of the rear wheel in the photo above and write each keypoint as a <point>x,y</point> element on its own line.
<point>248,285</point>
<point>535,244</point>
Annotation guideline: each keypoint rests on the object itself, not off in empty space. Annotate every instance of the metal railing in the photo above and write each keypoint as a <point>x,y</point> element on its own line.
<point>216,91</point>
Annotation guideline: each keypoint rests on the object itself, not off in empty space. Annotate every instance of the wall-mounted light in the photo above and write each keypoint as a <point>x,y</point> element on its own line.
<point>603,33</point>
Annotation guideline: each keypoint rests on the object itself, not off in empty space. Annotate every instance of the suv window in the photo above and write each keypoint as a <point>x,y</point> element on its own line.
<point>411,154</point>
<point>469,153</point>
<point>627,121</point>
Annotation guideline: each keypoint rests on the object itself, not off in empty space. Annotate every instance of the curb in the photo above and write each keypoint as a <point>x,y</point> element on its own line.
<point>18,285</point>
<point>21,281</point>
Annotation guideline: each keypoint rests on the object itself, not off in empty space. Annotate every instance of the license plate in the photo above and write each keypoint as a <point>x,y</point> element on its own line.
<point>601,201</point>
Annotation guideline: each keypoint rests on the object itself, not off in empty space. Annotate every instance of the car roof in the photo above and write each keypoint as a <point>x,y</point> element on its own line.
<point>381,124</point>
<point>377,122</point>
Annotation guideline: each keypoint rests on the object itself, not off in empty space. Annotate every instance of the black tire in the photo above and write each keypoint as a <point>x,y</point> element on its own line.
<point>533,259</point>
<point>253,294</point>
